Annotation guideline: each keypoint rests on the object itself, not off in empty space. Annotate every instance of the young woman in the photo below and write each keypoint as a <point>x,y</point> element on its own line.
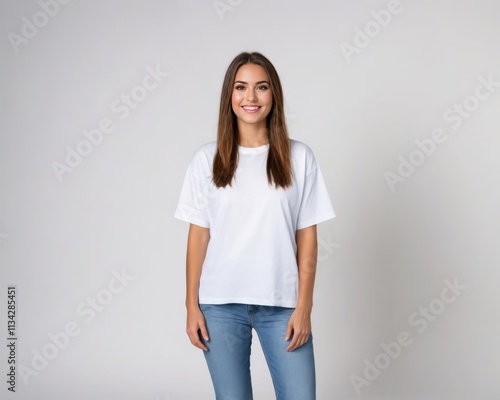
<point>253,199</point>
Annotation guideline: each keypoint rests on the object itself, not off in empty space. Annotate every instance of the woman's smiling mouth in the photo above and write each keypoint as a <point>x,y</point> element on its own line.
<point>251,109</point>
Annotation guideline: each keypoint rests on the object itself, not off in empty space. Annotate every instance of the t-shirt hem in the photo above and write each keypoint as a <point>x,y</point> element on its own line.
<point>239,300</point>
<point>315,221</point>
<point>192,220</point>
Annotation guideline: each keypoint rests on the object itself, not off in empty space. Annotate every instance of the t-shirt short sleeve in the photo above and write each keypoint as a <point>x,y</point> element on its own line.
<point>191,206</point>
<point>315,206</point>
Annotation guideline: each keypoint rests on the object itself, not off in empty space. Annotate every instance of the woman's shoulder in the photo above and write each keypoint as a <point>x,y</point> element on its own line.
<point>201,161</point>
<point>301,150</point>
<point>204,152</point>
<point>207,148</point>
<point>297,145</point>
<point>303,156</point>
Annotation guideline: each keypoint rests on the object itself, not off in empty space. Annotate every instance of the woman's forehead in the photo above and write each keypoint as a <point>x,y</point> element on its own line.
<point>251,73</point>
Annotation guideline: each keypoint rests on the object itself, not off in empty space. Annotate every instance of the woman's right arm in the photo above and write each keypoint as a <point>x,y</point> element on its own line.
<point>198,239</point>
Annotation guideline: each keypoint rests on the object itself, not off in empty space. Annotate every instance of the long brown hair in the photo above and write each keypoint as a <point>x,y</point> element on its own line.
<point>225,160</point>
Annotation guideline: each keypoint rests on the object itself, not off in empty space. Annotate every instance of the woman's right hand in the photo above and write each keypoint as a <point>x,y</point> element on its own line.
<point>195,326</point>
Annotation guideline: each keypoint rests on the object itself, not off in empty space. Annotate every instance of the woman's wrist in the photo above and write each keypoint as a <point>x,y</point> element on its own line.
<point>192,304</point>
<point>304,305</point>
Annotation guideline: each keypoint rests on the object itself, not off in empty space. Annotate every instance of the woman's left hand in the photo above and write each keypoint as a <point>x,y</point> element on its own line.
<point>300,325</point>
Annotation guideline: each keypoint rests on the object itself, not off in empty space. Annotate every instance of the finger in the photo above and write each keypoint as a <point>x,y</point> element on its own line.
<point>204,332</point>
<point>195,340</point>
<point>198,343</point>
<point>289,330</point>
<point>299,339</point>
<point>293,344</point>
<point>201,345</point>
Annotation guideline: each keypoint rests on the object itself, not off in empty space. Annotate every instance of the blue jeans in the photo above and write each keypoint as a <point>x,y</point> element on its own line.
<point>229,329</point>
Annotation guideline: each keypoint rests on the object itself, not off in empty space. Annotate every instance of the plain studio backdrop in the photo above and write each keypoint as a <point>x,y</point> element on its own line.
<point>103,105</point>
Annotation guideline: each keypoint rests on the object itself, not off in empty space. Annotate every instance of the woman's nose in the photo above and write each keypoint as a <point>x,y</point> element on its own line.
<point>251,96</point>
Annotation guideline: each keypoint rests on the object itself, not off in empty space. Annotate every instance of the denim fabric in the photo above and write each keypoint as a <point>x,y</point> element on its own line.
<point>230,329</point>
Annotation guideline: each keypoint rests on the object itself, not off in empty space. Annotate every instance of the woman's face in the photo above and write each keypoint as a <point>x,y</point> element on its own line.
<point>252,99</point>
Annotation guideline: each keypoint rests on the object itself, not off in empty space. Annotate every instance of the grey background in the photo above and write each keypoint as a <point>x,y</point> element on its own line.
<point>385,255</point>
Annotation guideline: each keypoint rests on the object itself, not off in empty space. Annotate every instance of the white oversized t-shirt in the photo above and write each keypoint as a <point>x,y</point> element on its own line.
<point>251,254</point>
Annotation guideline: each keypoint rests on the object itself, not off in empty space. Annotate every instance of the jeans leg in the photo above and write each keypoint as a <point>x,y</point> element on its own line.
<point>228,355</point>
<point>293,372</point>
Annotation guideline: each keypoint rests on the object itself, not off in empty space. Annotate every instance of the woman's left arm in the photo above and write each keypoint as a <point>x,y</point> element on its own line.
<point>300,320</point>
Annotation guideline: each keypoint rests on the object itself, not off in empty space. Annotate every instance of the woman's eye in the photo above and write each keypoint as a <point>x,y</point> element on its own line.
<point>243,87</point>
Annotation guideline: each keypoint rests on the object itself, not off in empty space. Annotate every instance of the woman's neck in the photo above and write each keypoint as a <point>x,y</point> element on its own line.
<point>252,136</point>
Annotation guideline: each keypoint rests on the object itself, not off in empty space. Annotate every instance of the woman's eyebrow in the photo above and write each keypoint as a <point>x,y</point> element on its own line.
<point>257,83</point>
